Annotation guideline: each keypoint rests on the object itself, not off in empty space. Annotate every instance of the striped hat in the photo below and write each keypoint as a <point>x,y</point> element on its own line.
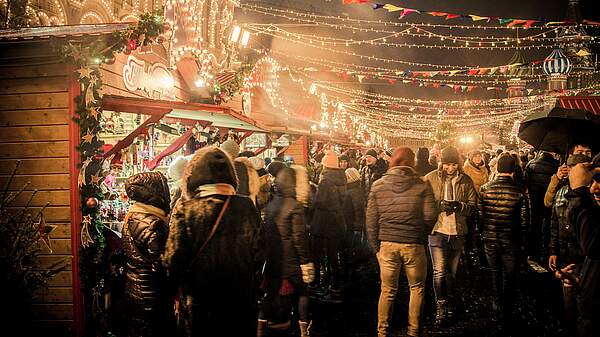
<point>352,175</point>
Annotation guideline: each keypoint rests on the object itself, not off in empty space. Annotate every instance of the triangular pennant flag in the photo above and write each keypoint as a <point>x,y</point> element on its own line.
<point>529,91</point>
<point>360,78</point>
<point>471,88</point>
<point>463,87</point>
<point>406,81</point>
<point>377,6</point>
<point>504,21</point>
<point>345,76</point>
<point>483,71</point>
<point>529,23</point>
<point>478,18</point>
<point>490,88</point>
<point>407,11</point>
<point>516,22</point>
<point>399,73</point>
<point>473,71</point>
<point>453,72</point>
<point>493,70</point>
<point>433,73</point>
<point>348,2</point>
<point>391,80</point>
<point>456,88</point>
<point>437,13</point>
<point>452,16</point>
<point>391,8</point>
<point>436,85</point>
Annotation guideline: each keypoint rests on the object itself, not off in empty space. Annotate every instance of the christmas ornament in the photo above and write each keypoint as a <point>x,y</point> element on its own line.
<point>91,203</point>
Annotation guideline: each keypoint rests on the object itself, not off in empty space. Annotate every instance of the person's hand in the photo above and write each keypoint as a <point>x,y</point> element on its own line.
<point>581,175</point>
<point>446,206</point>
<point>563,172</point>
<point>308,272</point>
<point>552,262</point>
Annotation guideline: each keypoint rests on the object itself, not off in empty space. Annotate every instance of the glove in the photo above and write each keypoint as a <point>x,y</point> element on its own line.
<point>308,272</point>
<point>450,206</point>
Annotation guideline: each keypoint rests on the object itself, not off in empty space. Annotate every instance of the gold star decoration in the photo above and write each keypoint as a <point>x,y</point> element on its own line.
<point>44,231</point>
<point>84,72</point>
<point>100,92</point>
<point>87,219</point>
<point>94,112</point>
<point>88,137</point>
<point>95,179</point>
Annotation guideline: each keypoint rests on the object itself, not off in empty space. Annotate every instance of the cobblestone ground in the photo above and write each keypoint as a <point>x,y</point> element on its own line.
<point>536,311</point>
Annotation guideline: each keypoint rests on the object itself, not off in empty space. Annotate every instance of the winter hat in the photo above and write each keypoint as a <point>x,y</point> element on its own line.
<point>450,155</point>
<point>149,188</point>
<point>474,153</point>
<point>246,154</point>
<point>257,162</point>
<point>248,184</point>
<point>177,167</point>
<point>231,148</point>
<point>344,158</point>
<point>372,153</point>
<point>352,175</point>
<point>210,165</point>
<point>575,159</point>
<point>275,167</point>
<point>423,154</point>
<point>506,164</point>
<point>330,160</point>
<point>403,156</point>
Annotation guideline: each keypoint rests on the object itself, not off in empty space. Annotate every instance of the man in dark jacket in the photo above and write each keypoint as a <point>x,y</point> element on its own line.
<point>564,249</point>
<point>216,272</point>
<point>537,177</point>
<point>401,212</point>
<point>328,223</point>
<point>584,215</point>
<point>504,211</point>
<point>144,237</point>
<point>373,170</point>
<point>422,166</point>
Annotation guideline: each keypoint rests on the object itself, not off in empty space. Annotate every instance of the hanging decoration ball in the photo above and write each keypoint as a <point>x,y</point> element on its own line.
<point>132,44</point>
<point>91,203</point>
<point>110,60</point>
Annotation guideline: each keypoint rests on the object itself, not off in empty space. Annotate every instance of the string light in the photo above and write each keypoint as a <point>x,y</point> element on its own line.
<point>91,14</point>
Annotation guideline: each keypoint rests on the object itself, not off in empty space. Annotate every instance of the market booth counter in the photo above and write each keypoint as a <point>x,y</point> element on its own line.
<point>145,122</point>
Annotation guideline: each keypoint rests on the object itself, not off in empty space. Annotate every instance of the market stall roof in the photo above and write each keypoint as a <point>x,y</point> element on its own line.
<point>218,116</point>
<point>588,103</point>
<point>61,31</point>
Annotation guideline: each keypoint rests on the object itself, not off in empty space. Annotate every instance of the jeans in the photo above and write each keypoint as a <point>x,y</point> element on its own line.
<point>503,260</point>
<point>392,257</point>
<point>445,254</point>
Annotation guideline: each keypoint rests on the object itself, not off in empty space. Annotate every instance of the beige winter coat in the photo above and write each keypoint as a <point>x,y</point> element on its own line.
<point>479,175</point>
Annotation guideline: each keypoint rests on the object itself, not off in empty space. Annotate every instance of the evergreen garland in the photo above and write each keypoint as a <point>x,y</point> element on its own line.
<point>222,92</point>
<point>88,54</point>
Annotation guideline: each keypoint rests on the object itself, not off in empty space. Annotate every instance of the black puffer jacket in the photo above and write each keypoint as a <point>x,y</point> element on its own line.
<point>370,174</point>
<point>144,238</point>
<point>563,242</point>
<point>354,207</point>
<point>328,215</point>
<point>538,173</point>
<point>285,231</point>
<point>401,208</point>
<point>504,211</point>
<point>422,165</point>
<point>219,288</point>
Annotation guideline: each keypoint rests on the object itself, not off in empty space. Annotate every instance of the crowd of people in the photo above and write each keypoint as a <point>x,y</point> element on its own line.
<point>239,245</point>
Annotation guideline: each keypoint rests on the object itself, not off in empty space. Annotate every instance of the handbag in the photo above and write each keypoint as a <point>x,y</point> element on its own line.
<point>212,232</point>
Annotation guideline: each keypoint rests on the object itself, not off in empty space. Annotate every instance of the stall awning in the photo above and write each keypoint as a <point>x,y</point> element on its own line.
<point>588,103</point>
<point>218,116</point>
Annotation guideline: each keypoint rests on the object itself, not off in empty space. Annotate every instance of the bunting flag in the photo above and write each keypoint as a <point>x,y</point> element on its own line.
<point>407,11</point>
<point>392,8</point>
<point>452,16</point>
<point>349,2</point>
<point>478,18</point>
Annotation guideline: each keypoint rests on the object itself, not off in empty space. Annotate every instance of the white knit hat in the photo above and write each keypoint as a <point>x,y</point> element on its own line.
<point>257,162</point>
<point>231,148</point>
<point>352,175</point>
<point>177,167</point>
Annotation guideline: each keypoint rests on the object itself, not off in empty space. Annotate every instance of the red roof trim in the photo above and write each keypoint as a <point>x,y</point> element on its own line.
<point>588,103</point>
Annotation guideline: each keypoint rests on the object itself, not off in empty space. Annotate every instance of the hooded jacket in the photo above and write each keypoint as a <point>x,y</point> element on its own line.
<point>285,230</point>
<point>328,216</point>
<point>370,174</point>
<point>465,193</point>
<point>248,180</point>
<point>144,237</point>
<point>422,165</point>
<point>538,173</point>
<point>401,208</point>
<point>354,207</point>
<point>504,211</point>
<point>479,174</point>
<point>219,287</point>
<point>563,242</point>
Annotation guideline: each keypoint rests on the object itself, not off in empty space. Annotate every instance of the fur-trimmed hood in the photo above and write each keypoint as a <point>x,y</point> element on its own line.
<point>302,185</point>
<point>209,165</point>
<point>248,180</point>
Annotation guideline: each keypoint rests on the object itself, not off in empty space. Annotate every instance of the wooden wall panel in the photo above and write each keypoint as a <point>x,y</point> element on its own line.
<point>34,128</point>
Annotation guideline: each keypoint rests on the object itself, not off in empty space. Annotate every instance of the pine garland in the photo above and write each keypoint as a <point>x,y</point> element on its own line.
<point>222,92</point>
<point>88,54</point>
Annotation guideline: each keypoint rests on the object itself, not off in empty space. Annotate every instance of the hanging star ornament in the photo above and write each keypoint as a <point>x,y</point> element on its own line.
<point>96,179</point>
<point>88,137</point>
<point>44,231</point>
<point>86,238</point>
<point>94,112</point>
<point>84,72</point>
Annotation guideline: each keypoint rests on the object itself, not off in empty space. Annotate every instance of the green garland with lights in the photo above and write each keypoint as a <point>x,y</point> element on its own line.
<point>87,54</point>
<point>220,93</point>
<point>444,132</point>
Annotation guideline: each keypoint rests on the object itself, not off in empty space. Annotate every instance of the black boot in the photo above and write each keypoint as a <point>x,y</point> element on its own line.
<point>441,312</point>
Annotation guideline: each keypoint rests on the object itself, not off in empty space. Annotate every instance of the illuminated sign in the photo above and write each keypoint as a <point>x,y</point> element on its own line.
<point>155,80</point>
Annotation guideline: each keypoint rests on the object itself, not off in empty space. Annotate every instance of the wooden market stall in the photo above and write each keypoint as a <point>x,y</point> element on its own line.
<point>38,108</point>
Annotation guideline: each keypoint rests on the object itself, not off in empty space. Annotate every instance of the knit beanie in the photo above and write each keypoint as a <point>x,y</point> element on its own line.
<point>372,153</point>
<point>474,153</point>
<point>330,160</point>
<point>231,148</point>
<point>257,162</point>
<point>423,154</point>
<point>450,155</point>
<point>403,156</point>
<point>344,158</point>
<point>275,167</point>
<point>506,164</point>
<point>177,167</point>
<point>352,175</point>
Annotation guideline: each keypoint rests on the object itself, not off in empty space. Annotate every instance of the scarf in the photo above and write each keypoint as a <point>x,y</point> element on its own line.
<point>139,207</point>
<point>214,189</point>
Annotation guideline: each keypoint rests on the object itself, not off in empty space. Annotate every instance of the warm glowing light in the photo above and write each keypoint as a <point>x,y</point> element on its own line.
<point>200,83</point>
<point>235,34</point>
<point>245,38</point>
